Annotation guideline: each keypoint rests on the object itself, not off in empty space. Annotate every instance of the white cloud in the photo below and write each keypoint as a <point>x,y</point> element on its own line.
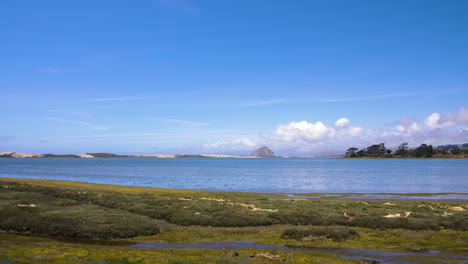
<point>89,125</point>
<point>436,120</point>
<point>301,137</point>
<point>408,126</point>
<point>309,138</point>
<point>318,132</point>
<point>295,137</point>
<point>432,120</point>
<point>355,131</point>
<point>301,131</point>
<point>436,129</point>
<point>342,122</point>
<point>448,120</point>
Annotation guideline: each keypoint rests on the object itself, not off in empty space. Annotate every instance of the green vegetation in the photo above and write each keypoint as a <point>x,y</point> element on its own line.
<point>60,156</point>
<point>113,213</point>
<point>33,212</point>
<point>423,151</point>
<point>337,233</point>
<point>55,204</point>
<point>42,250</point>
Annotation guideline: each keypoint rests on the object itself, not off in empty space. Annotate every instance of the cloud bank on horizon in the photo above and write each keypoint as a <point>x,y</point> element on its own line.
<point>294,138</point>
<point>304,137</point>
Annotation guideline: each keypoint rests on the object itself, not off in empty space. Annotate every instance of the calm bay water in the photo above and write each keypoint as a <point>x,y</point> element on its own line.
<point>254,175</point>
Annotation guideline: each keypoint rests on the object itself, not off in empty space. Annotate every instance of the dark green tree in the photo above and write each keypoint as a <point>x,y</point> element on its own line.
<point>376,150</point>
<point>401,152</point>
<point>351,152</point>
<point>361,153</point>
<point>402,149</point>
<point>456,151</point>
<point>424,151</point>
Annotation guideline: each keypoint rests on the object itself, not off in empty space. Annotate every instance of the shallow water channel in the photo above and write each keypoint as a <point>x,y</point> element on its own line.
<point>391,257</point>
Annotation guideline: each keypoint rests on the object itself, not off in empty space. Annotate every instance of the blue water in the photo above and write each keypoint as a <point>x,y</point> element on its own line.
<point>254,175</point>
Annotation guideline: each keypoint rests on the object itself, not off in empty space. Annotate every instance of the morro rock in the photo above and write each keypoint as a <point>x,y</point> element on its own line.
<point>263,152</point>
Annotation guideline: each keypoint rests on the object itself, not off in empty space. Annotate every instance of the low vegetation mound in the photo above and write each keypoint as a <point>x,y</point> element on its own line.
<point>338,233</point>
<point>30,212</point>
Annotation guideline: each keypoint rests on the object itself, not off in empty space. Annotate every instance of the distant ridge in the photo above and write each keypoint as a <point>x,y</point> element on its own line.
<point>263,152</point>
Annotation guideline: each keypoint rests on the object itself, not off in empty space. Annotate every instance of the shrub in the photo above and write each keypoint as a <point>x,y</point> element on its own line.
<point>205,212</point>
<point>40,214</point>
<point>337,233</point>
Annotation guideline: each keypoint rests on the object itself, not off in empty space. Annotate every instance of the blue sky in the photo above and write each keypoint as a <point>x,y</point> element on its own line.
<point>186,76</point>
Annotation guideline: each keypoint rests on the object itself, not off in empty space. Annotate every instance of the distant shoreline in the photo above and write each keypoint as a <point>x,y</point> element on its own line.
<point>175,156</point>
<point>110,155</point>
<point>402,157</point>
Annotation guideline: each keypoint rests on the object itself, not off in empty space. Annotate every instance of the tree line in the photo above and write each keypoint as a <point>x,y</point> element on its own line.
<point>424,150</point>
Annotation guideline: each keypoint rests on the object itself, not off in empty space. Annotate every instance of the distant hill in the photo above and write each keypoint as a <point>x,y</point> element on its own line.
<point>263,152</point>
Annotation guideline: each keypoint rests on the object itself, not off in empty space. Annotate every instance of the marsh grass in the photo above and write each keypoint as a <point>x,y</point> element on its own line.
<point>96,213</point>
<point>337,233</point>
<point>117,261</point>
<point>29,212</point>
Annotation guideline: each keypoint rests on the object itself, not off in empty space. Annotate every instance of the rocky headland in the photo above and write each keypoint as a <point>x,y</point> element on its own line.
<point>263,152</point>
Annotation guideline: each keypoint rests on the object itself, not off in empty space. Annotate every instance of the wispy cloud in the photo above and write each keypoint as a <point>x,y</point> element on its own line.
<point>82,114</point>
<point>81,123</point>
<point>262,103</point>
<point>426,94</point>
<point>112,99</point>
<point>180,122</point>
<point>386,96</point>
